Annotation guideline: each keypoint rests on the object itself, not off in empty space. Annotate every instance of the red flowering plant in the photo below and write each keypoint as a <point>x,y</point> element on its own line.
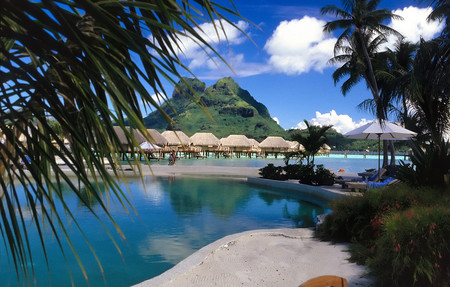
<point>412,249</point>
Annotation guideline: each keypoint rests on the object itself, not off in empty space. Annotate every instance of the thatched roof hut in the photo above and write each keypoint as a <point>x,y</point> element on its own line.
<point>236,141</point>
<point>295,146</point>
<point>274,143</point>
<point>157,138</point>
<point>254,142</point>
<point>176,138</point>
<point>123,139</point>
<point>205,139</point>
<point>325,149</point>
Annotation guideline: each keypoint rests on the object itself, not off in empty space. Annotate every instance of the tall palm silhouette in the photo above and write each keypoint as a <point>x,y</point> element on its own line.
<point>361,22</point>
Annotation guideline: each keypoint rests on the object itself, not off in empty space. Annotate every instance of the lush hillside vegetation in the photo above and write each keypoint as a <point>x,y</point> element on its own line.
<point>231,109</point>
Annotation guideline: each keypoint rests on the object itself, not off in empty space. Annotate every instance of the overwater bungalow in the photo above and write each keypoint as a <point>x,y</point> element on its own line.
<point>205,142</point>
<point>255,149</point>
<point>295,146</point>
<point>125,145</point>
<point>325,150</point>
<point>177,141</point>
<point>236,145</point>
<point>274,145</point>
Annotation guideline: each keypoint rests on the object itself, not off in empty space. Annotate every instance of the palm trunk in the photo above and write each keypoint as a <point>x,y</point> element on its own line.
<point>370,77</point>
<point>392,149</point>
<point>385,153</point>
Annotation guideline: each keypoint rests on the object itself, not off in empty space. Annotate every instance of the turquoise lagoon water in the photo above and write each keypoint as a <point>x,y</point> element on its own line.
<point>335,162</point>
<point>175,218</point>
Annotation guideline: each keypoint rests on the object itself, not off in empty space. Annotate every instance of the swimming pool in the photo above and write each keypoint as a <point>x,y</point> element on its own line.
<point>176,217</point>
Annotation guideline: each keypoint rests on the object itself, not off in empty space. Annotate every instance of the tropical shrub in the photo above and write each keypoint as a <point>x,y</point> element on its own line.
<point>420,253</point>
<point>317,176</point>
<point>306,174</point>
<point>272,172</point>
<point>324,176</point>
<point>293,171</point>
<point>429,166</point>
<point>414,246</point>
<point>349,221</point>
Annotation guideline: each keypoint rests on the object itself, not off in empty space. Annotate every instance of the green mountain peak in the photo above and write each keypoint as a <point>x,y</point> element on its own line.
<point>232,110</point>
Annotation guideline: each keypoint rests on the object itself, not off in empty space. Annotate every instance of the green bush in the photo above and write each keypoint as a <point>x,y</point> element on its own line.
<point>373,221</point>
<point>323,176</point>
<point>317,176</point>
<point>349,221</point>
<point>272,172</point>
<point>413,249</point>
<point>292,171</point>
<point>430,166</point>
<point>306,174</point>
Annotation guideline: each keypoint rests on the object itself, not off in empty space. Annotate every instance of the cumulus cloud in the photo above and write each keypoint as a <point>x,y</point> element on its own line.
<point>299,46</point>
<point>239,67</point>
<point>415,25</point>
<point>341,123</point>
<point>194,51</point>
<point>276,120</point>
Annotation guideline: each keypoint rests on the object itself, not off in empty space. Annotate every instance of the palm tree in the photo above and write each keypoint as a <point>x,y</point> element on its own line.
<point>88,65</point>
<point>430,93</point>
<point>361,22</point>
<point>394,78</point>
<point>441,10</point>
<point>313,141</point>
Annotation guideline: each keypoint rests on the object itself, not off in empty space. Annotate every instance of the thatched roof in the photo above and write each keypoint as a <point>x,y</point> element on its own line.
<point>204,139</point>
<point>274,142</point>
<point>295,145</point>
<point>325,147</point>
<point>236,141</point>
<point>122,138</point>
<point>157,138</point>
<point>175,138</point>
<point>254,142</point>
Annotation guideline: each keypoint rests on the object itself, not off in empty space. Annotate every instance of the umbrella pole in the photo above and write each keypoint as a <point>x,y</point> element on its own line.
<point>379,138</point>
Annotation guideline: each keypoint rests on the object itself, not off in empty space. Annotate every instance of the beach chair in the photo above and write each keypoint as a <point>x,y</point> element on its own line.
<point>364,185</point>
<point>374,177</point>
<point>360,182</point>
<point>326,281</point>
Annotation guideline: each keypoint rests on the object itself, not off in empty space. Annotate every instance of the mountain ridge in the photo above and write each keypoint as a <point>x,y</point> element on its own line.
<point>232,110</point>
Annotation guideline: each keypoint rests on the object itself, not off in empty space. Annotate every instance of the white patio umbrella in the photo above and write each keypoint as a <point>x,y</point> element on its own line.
<point>384,131</point>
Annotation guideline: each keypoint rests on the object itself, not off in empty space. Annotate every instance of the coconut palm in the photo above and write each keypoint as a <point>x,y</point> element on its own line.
<point>313,141</point>
<point>360,22</point>
<point>88,65</point>
<point>441,10</point>
<point>430,93</point>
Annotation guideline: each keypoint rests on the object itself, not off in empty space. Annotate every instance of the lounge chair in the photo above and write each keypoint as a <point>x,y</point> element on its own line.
<point>365,185</point>
<point>327,280</point>
<point>374,177</point>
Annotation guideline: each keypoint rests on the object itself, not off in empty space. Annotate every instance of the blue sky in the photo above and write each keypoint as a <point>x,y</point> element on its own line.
<point>285,65</point>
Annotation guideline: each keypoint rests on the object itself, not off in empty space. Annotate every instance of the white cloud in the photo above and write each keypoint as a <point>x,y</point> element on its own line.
<point>239,67</point>
<point>300,45</point>
<point>276,120</point>
<point>415,25</point>
<point>341,123</point>
<point>194,51</point>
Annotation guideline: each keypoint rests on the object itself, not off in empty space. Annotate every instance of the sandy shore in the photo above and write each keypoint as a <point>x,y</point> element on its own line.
<point>280,257</point>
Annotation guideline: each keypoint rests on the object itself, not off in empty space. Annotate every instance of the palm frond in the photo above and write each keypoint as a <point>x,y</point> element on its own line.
<point>88,65</point>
